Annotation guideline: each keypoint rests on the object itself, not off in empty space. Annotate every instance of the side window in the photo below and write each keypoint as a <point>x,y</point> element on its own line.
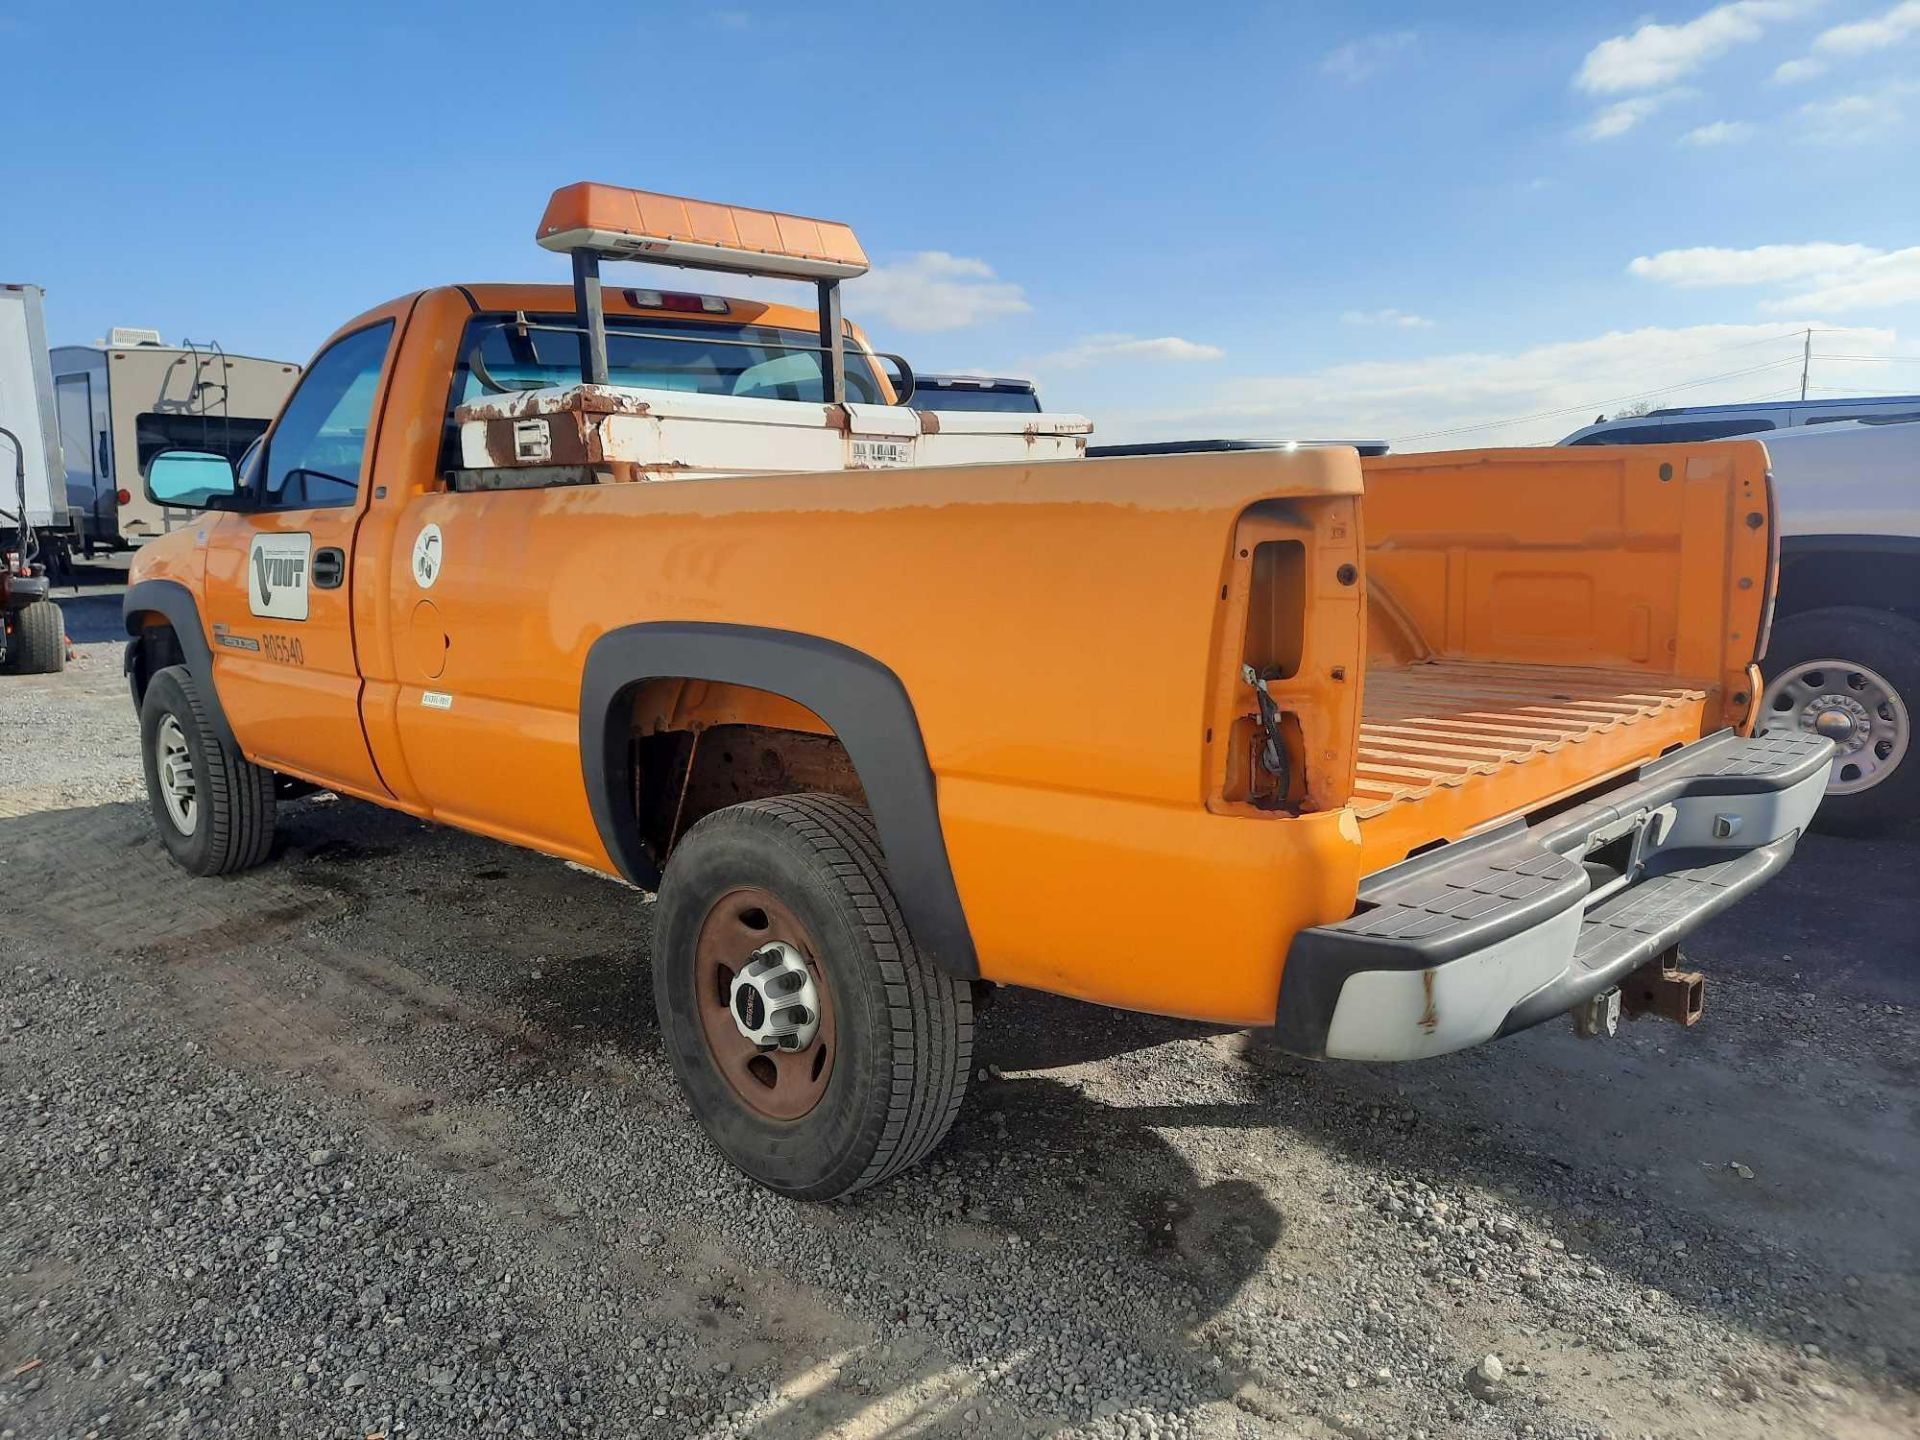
<point>314,455</point>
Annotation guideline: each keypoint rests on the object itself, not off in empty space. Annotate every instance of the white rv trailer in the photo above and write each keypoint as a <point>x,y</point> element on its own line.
<point>123,402</point>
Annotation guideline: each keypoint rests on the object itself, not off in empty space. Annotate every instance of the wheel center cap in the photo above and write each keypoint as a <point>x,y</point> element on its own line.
<point>774,1001</point>
<point>1838,717</point>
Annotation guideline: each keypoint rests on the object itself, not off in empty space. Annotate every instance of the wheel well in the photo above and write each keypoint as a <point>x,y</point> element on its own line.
<point>699,746</point>
<point>813,686</point>
<point>682,775</point>
<point>152,650</point>
<point>1817,576</point>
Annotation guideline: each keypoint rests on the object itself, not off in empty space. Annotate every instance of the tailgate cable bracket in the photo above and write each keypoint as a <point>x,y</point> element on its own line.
<point>1273,754</point>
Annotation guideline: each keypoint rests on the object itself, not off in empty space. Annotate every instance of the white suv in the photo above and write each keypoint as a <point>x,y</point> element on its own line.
<point>1724,422</point>
<point>1844,659</point>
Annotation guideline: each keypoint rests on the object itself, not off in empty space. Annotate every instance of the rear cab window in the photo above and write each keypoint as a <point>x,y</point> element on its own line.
<point>500,354</point>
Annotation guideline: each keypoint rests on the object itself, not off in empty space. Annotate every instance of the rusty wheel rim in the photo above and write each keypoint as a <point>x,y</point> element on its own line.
<point>777,1084</point>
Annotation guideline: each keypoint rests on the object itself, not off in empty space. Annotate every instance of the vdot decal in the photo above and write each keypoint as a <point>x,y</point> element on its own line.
<point>427,556</point>
<point>279,570</point>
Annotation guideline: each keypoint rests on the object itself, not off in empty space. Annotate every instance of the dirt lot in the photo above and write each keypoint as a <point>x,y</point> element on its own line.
<point>378,1140</point>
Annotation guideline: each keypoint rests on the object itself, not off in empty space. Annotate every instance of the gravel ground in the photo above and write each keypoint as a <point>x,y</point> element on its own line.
<point>378,1140</point>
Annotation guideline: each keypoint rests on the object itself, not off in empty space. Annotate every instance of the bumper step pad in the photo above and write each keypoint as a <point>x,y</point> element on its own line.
<point>1503,930</point>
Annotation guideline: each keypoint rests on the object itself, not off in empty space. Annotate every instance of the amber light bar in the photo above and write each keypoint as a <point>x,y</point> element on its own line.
<point>621,224</point>
<point>590,223</point>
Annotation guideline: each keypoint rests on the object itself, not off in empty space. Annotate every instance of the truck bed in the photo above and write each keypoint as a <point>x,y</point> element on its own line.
<point>1461,723</point>
<point>1537,627</point>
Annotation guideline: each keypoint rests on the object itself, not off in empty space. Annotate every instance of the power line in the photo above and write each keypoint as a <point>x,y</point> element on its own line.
<point>1768,340</point>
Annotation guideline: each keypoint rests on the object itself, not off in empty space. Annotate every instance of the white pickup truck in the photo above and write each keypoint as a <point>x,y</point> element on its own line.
<point>1844,661</point>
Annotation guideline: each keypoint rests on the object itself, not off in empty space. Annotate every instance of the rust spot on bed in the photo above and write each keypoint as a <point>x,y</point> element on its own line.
<point>1429,1016</point>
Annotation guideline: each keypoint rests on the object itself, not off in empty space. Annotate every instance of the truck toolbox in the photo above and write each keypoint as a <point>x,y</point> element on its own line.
<point>619,435</point>
<point>1501,931</point>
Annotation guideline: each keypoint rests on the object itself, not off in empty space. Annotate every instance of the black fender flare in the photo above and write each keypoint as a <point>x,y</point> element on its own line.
<point>171,599</point>
<point>860,698</point>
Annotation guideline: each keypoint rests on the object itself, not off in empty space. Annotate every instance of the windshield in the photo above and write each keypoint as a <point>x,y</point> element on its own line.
<point>497,356</point>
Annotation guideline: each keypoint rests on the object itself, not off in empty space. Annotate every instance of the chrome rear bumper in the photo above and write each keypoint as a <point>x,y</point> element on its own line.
<point>1502,930</point>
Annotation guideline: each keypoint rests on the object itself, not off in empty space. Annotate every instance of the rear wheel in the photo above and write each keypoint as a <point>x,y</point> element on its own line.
<point>36,640</point>
<point>214,808</point>
<point>1853,675</point>
<point>816,1044</point>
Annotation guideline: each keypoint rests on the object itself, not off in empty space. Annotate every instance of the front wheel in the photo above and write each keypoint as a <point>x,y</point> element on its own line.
<point>214,808</point>
<point>819,1048</point>
<point>1852,674</point>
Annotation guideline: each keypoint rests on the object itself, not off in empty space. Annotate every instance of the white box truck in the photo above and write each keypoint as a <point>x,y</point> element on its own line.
<point>33,506</point>
<point>27,408</point>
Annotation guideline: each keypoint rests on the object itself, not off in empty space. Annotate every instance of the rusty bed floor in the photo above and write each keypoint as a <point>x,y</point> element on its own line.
<point>1442,722</point>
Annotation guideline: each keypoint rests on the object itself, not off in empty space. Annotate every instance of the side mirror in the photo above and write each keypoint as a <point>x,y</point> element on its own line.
<point>192,480</point>
<point>899,376</point>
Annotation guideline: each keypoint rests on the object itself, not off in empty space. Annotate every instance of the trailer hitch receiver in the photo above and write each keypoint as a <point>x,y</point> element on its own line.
<point>1661,988</point>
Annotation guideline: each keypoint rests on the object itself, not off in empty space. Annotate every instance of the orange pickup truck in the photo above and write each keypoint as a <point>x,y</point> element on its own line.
<point>1394,757</point>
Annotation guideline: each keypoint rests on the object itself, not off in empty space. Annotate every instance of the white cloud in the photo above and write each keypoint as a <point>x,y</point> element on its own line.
<point>1878,33</point>
<point>1882,280</point>
<point>935,291</point>
<point>1621,116</point>
<point>1857,118</point>
<point>1362,59</point>
<point>1098,349</point>
<point>1656,54</point>
<point>1859,37</point>
<point>1792,72</point>
<point>1819,276</point>
<point>1555,388</point>
<point>1762,265</point>
<point>1388,316</point>
<point>1720,132</point>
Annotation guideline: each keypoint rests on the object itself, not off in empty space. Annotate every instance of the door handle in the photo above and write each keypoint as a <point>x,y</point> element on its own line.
<point>329,567</point>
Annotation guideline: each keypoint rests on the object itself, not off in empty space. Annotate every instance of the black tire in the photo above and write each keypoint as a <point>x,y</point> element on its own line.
<point>233,817</point>
<point>1889,645</point>
<point>36,640</point>
<point>904,1029</point>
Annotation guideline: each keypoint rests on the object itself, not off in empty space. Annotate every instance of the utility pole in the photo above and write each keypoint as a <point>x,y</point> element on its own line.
<point>1806,360</point>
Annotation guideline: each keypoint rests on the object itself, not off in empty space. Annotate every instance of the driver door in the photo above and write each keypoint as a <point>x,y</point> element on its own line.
<point>279,582</point>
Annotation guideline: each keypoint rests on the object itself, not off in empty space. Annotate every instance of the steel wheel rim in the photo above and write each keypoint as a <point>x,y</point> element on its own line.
<point>775,1084</point>
<point>1818,695</point>
<point>173,763</point>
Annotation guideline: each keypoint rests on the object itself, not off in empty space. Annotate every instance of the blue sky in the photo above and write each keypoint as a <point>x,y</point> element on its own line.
<point>1264,219</point>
